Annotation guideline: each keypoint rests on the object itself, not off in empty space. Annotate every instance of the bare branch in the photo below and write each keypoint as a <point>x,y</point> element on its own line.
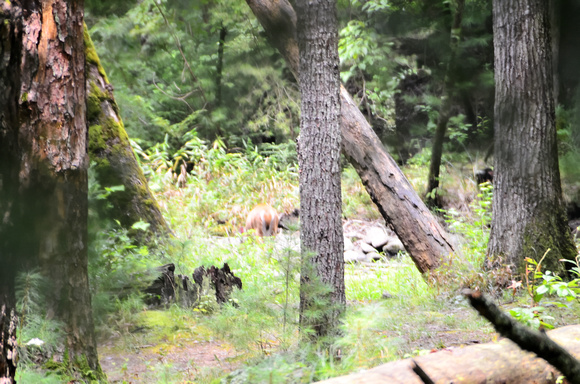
<point>527,339</point>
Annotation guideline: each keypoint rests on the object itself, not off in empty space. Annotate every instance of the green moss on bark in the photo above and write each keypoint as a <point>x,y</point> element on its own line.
<point>538,239</point>
<point>110,150</point>
<point>91,53</point>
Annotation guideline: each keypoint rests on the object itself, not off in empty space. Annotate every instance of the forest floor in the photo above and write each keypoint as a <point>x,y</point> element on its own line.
<point>414,318</point>
<point>148,362</point>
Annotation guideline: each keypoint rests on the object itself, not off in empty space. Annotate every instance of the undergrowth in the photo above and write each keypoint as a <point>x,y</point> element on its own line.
<point>392,312</point>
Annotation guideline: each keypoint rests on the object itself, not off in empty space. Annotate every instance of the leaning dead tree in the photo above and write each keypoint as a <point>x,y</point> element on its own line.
<point>491,363</point>
<point>110,150</point>
<point>423,237</point>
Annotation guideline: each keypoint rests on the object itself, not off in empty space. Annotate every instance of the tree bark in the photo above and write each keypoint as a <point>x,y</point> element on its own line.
<point>528,211</point>
<point>319,161</point>
<point>43,146</point>
<point>491,363</point>
<point>445,110</point>
<point>423,237</point>
<point>110,149</point>
<point>8,345</point>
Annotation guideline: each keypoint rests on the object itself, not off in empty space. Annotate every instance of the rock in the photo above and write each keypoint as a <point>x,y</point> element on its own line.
<point>348,244</point>
<point>353,256</point>
<point>367,248</point>
<point>386,295</point>
<point>35,342</point>
<point>377,237</point>
<point>373,256</point>
<point>394,246</point>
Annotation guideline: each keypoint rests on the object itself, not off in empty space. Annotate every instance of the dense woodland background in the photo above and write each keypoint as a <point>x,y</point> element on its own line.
<point>211,109</point>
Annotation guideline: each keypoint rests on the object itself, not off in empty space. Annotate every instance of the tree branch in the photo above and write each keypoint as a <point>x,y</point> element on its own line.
<point>527,339</point>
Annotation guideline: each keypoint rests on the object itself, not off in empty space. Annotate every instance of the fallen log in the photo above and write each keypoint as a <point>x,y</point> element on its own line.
<point>423,237</point>
<point>490,363</point>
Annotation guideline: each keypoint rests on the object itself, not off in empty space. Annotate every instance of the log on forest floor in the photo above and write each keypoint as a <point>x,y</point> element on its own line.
<point>497,362</point>
<point>168,288</point>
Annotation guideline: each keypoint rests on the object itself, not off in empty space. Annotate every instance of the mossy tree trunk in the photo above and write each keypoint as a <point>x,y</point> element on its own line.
<point>399,204</point>
<point>528,211</point>
<point>319,160</point>
<point>110,149</point>
<point>44,161</point>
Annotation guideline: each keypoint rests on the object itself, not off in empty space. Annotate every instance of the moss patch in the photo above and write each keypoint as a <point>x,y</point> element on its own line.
<point>91,53</point>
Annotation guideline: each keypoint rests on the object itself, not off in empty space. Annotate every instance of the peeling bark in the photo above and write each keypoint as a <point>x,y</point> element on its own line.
<point>423,237</point>
<point>44,161</point>
<point>8,350</point>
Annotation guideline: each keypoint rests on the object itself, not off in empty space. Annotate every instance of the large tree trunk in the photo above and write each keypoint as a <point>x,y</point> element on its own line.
<point>528,211</point>
<point>110,149</point>
<point>43,179</point>
<point>8,345</point>
<point>319,160</point>
<point>491,363</point>
<point>390,190</point>
<point>10,260</point>
<point>445,110</point>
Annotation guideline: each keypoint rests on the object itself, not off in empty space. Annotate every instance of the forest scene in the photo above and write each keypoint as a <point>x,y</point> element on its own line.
<point>289,191</point>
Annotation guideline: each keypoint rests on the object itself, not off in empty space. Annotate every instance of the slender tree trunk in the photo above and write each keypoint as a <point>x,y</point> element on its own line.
<point>110,149</point>
<point>389,189</point>
<point>219,72</point>
<point>319,161</point>
<point>528,211</point>
<point>408,116</point>
<point>43,146</point>
<point>220,66</point>
<point>445,110</point>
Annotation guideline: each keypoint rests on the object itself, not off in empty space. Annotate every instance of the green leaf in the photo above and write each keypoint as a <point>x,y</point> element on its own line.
<point>542,289</point>
<point>141,225</point>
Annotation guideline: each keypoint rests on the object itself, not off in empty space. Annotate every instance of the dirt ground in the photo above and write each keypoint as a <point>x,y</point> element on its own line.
<point>148,363</point>
<point>189,359</point>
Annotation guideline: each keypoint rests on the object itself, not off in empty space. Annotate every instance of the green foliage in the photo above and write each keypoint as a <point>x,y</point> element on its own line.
<point>162,58</point>
<point>34,323</point>
<point>362,54</point>
<point>25,375</point>
<point>41,337</point>
<point>540,284</point>
<point>533,317</point>
<point>476,229</point>
<point>356,201</point>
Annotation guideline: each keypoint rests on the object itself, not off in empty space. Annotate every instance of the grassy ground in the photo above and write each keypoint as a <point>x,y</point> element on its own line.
<point>392,311</point>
